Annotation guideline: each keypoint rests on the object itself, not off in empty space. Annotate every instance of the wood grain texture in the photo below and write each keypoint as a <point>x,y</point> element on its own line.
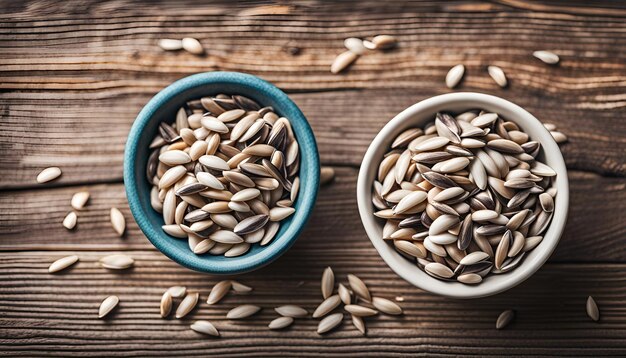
<point>74,74</point>
<point>55,314</point>
<point>85,135</point>
<point>594,232</point>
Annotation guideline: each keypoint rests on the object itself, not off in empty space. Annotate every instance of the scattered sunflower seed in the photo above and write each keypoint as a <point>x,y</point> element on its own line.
<point>48,174</point>
<point>219,291</point>
<point>62,263</point>
<point>187,304</point>
<point>455,75</point>
<point>192,45</point>
<point>79,200</point>
<point>327,174</point>
<point>166,304</point>
<point>170,44</point>
<point>498,76</point>
<point>329,322</point>
<point>242,311</point>
<point>328,282</point>
<point>546,56</point>
<point>117,221</point>
<point>117,262</point>
<point>205,327</point>
<point>70,220</point>
<point>342,61</point>
<point>359,288</point>
<point>504,319</point>
<point>291,311</point>
<point>592,309</point>
<point>281,322</point>
<point>107,306</point>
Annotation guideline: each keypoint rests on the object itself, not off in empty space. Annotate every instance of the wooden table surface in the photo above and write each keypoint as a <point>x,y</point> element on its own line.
<point>73,76</point>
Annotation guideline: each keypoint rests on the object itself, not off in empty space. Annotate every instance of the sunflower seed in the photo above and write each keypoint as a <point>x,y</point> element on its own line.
<point>327,306</point>
<point>546,56</point>
<point>240,288</point>
<point>170,44</point>
<point>187,304</point>
<point>280,323</point>
<point>279,214</point>
<point>438,270</point>
<point>330,322</point>
<point>79,200</point>
<point>354,45</point>
<point>192,45</point>
<point>327,174</point>
<point>177,291</point>
<point>291,311</point>
<point>344,294</point>
<point>439,180</point>
<point>386,306</point>
<point>455,75</point>
<point>360,311</point>
<point>328,282</point>
<point>504,319</point>
<point>117,262</point>
<point>166,304</point>
<point>107,305</point>
<point>48,174</point>
<point>503,249</point>
<point>62,263</point>
<point>497,75</point>
<point>70,220</point>
<point>342,61</point>
<point>383,42</point>
<point>205,327</point>
<point>242,311</point>
<point>358,323</point>
<point>592,309</point>
<point>359,287</point>
<point>469,278</point>
<point>559,137</point>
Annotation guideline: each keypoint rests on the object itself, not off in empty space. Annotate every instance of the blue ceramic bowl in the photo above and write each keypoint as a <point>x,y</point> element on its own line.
<point>163,107</point>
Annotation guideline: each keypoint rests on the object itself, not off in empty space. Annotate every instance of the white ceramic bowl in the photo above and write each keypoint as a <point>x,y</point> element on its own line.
<point>417,116</point>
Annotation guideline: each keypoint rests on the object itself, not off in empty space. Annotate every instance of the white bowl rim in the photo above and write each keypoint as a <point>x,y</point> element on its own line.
<point>408,270</point>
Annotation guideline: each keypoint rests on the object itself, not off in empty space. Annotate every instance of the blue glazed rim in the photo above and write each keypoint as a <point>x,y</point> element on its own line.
<point>162,107</point>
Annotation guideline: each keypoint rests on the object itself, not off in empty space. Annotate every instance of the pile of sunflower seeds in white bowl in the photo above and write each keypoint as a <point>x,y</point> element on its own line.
<point>224,174</point>
<point>465,196</point>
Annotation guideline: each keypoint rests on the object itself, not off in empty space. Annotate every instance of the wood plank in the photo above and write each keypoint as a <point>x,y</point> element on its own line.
<point>85,134</point>
<point>594,232</point>
<point>45,315</point>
